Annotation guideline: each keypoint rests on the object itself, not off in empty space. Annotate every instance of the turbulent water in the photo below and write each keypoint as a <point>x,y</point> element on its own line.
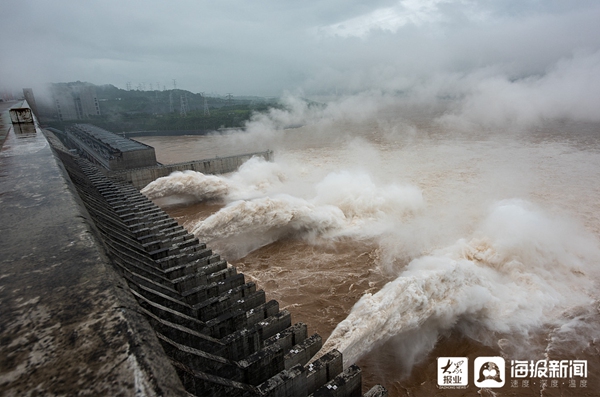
<point>401,240</point>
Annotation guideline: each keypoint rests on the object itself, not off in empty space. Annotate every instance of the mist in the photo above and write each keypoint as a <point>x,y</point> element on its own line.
<point>480,206</point>
<point>434,47</point>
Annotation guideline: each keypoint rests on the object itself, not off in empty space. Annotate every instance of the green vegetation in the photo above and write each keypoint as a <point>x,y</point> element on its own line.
<point>135,110</point>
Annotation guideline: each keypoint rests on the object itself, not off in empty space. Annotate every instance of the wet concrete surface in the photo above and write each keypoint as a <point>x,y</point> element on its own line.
<point>68,325</point>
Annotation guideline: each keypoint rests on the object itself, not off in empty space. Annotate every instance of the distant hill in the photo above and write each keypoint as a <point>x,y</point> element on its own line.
<point>137,110</point>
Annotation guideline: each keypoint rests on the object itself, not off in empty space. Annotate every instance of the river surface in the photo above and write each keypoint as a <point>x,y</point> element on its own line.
<point>454,244</point>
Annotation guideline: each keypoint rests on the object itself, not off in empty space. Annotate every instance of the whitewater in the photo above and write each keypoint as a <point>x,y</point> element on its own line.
<point>491,236</point>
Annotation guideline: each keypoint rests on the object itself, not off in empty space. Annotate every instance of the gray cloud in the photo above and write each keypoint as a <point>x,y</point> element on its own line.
<point>266,47</point>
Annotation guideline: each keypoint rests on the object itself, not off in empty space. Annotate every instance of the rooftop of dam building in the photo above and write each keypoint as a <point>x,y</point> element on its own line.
<point>114,141</point>
<point>106,149</point>
<point>101,293</point>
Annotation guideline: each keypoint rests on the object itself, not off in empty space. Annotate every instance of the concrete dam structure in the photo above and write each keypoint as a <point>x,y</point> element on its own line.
<point>107,149</point>
<point>140,177</point>
<point>135,162</point>
<point>118,299</point>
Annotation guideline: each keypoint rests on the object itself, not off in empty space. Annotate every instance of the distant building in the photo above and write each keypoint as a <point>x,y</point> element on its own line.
<point>75,101</point>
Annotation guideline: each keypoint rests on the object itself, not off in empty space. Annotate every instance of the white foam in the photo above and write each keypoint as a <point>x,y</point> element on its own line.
<point>357,195</point>
<point>196,184</point>
<point>521,270</point>
<point>267,201</point>
<point>280,215</point>
<point>515,270</point>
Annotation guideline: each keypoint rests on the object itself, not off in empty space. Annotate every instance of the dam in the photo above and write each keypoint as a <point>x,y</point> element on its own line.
<point>103,293</point>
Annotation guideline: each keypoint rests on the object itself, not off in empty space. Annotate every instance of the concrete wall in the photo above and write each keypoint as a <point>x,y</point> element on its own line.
<point>21,114</point>
<point>135,134</point>
<point>140,177</point>
<point>134,159</point>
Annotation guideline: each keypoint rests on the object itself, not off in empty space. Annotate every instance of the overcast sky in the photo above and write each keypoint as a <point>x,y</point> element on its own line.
<point>312,47</point>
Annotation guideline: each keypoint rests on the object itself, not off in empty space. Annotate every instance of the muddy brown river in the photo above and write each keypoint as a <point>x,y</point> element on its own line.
<point>399,242</point>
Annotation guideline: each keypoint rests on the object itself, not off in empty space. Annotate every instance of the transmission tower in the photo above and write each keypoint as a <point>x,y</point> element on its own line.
<point>171,110</point>
<point>206,110</point>
<point>229,98</point>
<point>174,84</point>
<point>129,86</point>
<point>183,105</point>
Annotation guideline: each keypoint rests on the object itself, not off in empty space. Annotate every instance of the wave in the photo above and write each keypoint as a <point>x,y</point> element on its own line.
<point>279,215</point>
<point>267,201</point>
<point>521,271</point>
<point>192,183</point>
